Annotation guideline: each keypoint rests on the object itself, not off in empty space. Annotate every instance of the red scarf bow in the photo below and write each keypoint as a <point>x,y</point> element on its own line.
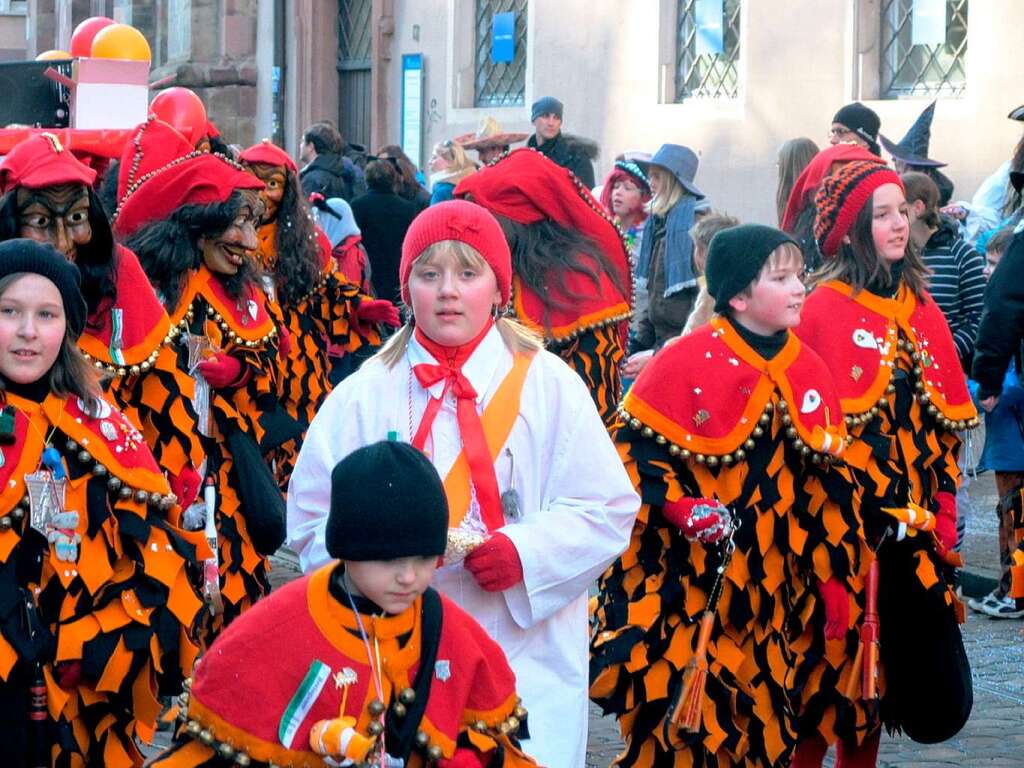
<point>449,370</point>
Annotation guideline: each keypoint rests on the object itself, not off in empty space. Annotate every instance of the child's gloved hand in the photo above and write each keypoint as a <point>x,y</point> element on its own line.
<point>703,520</point>
<point>837,608</point>
<point>185,485</point>
<point>221,370</point>
<point>495,564</point>
<point>372,311</point>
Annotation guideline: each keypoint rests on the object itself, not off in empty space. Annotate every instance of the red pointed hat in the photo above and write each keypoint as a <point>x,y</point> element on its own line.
<point>268,153</point>
<point>810,178</point>
<point>42,161</point>
<point>527,187</point>
<point>161,172</point>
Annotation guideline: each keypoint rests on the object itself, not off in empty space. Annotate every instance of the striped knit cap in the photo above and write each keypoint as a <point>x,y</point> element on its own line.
<point>841,197</point>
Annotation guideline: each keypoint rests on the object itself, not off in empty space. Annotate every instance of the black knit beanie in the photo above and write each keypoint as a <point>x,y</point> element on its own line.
<point>863,121</point>
<point>387,502</point>
<point>24,255</point>
<point>735,258</point>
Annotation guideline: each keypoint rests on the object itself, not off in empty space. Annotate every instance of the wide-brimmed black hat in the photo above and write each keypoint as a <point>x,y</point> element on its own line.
<point>912,149</point>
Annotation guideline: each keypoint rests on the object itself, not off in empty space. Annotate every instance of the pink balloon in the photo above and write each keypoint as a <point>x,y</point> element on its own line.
<point>81,38</point>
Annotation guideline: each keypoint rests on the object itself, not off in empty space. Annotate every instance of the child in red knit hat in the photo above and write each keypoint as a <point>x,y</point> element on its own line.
<point>539,502</point>
<point>904,398</point>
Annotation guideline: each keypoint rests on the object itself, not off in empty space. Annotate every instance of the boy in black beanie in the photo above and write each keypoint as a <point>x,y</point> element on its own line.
<point>739,565</point>
<point>361,657</point>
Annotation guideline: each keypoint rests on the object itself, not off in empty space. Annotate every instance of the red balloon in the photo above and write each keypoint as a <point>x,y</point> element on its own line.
<point>81,38</point>
<point>183,110</point>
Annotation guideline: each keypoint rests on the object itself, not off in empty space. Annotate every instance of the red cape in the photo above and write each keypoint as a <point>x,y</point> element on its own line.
<point>143,322</point>
<point>705,394</point>
<point>857,336</point>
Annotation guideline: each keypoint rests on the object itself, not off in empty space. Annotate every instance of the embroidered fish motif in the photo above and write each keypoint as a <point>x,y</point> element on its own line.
<point>863,339</point>
<point>812,401</point>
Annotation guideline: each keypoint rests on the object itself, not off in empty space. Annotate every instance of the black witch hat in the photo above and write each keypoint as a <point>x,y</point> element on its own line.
<point>913,148</point>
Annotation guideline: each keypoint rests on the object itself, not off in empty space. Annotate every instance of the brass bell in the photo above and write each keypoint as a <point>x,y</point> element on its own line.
<point>422,739</point>
<point>375,728</point>
<point>193,728</point>
<point>242,759</point>
<point>434,753</point>
<point>6,523</point>
<point>407,696</point>
<point>398,709</point>
<point>226,751</point>
<point>376,707</point>
<point>206,737</point>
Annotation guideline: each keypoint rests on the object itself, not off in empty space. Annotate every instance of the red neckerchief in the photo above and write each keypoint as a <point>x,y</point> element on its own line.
<point>449,370</point>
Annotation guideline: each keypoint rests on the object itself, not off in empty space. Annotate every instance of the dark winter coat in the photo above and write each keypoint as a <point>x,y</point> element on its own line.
<point>572,152</point>
<point>1001,329</point>
<point>383,218</point>
<point>332,176</point>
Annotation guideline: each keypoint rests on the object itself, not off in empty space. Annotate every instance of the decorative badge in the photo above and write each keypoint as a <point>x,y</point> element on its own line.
<point>863,339</point>
<point>443,670</point>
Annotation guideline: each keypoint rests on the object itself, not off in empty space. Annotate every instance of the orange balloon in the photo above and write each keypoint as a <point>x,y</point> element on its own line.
<point>53,55</point>
<point>82,37</point>
<point>120,41</point>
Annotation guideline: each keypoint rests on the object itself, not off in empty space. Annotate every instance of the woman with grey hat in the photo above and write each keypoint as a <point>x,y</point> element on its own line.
<point>665,267</point>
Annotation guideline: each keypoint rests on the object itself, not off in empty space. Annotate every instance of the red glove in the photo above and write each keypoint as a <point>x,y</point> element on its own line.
<point>68,674</point>
<point>185,485</point>
<point>221,370</point>
<point>837,608</point>
<point>372,311</point>
<point>284,342</point>
<point>495,564</point>
<point>704,520</point>
<point>463,758</point>
<point>945,519</point>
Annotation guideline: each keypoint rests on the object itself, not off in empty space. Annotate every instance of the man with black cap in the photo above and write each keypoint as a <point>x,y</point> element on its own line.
<point>361,657</point>
<point>858,124</point>
<point>572,152</point>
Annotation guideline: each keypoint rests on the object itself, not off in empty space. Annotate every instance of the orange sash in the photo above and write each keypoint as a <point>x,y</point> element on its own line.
<point>498,419</point>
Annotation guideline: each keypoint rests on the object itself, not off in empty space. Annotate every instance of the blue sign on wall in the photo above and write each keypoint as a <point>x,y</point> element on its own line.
<point>503,38</point>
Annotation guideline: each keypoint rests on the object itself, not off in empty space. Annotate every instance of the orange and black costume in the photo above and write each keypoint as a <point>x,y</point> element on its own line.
<point>245,422</point>
<point>87,634</point>
<point>444,683</point>
<point>314,302</point>
<point>903,397</point>
<point>581,303</point>
<point>171,198</point>
<point>131,340</point>
<point>764,439</point>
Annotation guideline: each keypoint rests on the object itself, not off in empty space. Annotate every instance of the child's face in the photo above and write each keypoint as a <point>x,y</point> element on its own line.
<point>775,299</point>
<point>452,300</point>
<point>991,262</point>
<point>889,224</point>
<point>394,585</point>
<point>32,326</point>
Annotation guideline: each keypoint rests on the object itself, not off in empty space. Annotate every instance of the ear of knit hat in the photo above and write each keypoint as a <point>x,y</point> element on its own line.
<point>28,256</point>
<point>840,198</point>
<point>464,222</point>
<point>387,502</point>
<point>735,258</point>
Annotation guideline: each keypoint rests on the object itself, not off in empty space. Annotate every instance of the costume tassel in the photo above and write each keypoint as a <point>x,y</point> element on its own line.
<point>686,715</point>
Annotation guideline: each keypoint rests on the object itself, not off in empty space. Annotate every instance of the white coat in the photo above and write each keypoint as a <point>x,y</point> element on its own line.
<point>577,511</point>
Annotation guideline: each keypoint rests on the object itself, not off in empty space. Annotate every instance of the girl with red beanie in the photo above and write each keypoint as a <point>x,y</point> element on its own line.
<point>539,502</point>
<point>904,397</point>
<point>315,304</point>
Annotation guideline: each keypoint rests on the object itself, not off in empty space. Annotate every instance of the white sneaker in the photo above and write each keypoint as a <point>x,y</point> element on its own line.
<point>978,604</point>
<point>1005,608</point>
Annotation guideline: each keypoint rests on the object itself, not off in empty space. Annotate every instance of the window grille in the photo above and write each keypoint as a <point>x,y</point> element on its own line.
<point>501,84</point>
<point>922,70</point>
<point>707,75</point>
<point>354,40</point>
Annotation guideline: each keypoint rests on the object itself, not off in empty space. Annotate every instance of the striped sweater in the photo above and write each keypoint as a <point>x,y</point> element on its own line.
<point>957,283</point>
